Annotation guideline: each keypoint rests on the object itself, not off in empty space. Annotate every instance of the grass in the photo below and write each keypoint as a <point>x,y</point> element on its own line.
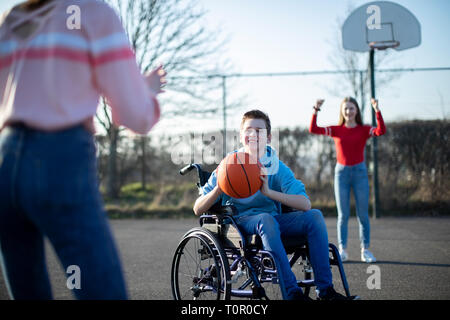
<point>176,201</point>
<point>155,201</point>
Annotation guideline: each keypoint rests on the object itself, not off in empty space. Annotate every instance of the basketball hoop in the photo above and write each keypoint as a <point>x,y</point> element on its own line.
<point>380,25</point>
<point>383,45</point>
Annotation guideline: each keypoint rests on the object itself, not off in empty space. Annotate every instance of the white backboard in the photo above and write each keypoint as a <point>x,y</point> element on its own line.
<point>381,22</point>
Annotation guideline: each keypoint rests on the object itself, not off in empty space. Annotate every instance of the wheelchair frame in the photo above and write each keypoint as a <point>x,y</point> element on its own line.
<point>220,241</point>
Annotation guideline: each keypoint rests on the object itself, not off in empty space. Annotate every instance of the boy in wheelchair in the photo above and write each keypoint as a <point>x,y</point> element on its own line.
<point>261,213</point>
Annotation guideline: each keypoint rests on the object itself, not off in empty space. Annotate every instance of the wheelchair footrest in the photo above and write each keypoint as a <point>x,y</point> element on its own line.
<point>306,283</point>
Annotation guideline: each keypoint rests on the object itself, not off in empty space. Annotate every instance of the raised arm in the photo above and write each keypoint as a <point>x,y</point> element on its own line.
<point>380,129</point>
<point>313,127</point>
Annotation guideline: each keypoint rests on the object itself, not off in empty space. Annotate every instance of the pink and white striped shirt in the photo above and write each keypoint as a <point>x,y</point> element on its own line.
<point>53,79</point>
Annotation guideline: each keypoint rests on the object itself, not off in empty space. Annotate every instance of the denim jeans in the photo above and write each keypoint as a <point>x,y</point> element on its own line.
<point>49,188</point>
<point>308,225</point>
<point>345,179</point>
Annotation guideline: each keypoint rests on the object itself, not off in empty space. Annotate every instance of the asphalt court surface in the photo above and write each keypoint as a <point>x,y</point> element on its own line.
<point>413,259</point>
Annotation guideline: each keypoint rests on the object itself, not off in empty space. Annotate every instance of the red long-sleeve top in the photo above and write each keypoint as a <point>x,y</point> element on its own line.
<point>349,142</point>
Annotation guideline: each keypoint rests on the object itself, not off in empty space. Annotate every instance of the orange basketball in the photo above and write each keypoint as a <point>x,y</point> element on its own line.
<point>239,177</point>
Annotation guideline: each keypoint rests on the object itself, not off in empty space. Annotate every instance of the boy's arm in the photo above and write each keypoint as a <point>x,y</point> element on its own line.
<point>211,193</point>
<point>296,201</point>
<point>293,194</point>
<point>204,202</point>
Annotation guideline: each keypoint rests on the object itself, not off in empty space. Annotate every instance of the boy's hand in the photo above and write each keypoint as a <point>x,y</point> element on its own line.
<point>217,190</point>
<point>265,190</point>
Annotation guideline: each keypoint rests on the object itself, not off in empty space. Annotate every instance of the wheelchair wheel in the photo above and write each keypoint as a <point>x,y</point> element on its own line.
<point>200,268</point>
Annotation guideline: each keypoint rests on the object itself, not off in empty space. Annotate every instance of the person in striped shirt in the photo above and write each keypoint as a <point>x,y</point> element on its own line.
<point>350,137</point>
<point>51,79</point>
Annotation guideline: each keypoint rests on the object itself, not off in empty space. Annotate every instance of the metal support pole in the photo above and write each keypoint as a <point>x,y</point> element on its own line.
<point>375,213</point>
<point>362,94</point>
<point>224,114</point>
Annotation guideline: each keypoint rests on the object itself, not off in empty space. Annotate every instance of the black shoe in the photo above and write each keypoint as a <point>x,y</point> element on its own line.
<point>332,295</point>
<point>300,296</point>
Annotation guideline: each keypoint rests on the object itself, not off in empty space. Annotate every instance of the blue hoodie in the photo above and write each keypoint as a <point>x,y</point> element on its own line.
<point>281,179</point>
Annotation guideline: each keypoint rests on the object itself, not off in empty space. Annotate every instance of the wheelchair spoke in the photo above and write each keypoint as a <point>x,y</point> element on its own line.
<point>197,274</point>
<point>191,274</point>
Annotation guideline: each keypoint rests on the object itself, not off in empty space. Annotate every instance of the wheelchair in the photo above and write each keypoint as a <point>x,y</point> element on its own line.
<point>216,261</point>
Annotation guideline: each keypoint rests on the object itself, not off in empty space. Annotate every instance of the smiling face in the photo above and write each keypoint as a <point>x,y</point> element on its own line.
<point>254,137</point>
<point>349,111</point>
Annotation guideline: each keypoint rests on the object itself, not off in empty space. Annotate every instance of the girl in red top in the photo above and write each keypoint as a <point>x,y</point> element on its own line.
<point>350,137</point>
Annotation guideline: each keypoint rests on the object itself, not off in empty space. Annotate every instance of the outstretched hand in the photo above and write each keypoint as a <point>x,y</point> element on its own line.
<point>374,103</point>
<point>319,103</point>
<point>156,79</point>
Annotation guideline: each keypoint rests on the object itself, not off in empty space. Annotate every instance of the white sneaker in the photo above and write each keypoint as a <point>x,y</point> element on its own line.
<point>367,256</point>
<point>343,253</point>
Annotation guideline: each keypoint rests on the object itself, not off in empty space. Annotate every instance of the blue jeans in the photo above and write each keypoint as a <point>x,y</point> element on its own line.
<point>308,225</point>
<point>345,179</point>
<point>49,188</point>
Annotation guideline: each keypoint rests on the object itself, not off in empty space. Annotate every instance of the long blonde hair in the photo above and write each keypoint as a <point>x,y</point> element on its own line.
<point>358,113</point>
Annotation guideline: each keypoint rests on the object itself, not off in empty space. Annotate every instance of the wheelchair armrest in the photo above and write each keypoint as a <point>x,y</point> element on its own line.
<point>217,213</point>
<point>218,209</point>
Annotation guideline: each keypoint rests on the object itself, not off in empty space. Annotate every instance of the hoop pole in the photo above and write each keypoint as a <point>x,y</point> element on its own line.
<point>224,114</point>
<point>362,94</point>
<point>375,198</point>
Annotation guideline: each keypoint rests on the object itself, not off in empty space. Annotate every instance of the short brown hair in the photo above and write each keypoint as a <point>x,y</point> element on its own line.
<point>358,112</point>
<point>257,114</point>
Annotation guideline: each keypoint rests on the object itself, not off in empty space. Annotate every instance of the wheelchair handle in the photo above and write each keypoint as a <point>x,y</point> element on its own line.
<point>186,169</point>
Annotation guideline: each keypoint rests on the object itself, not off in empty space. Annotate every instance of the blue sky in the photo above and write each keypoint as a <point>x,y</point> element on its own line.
<point>284,36</point>
<point>295,35</point>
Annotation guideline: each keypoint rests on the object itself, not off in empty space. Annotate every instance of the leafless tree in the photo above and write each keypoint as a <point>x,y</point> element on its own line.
<point>293,146</point>
<point>168,32</point>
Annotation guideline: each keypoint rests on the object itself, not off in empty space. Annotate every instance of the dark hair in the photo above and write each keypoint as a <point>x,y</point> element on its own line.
<point>33,4</point>
<point>358,112</point>
<point>257,114</point>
